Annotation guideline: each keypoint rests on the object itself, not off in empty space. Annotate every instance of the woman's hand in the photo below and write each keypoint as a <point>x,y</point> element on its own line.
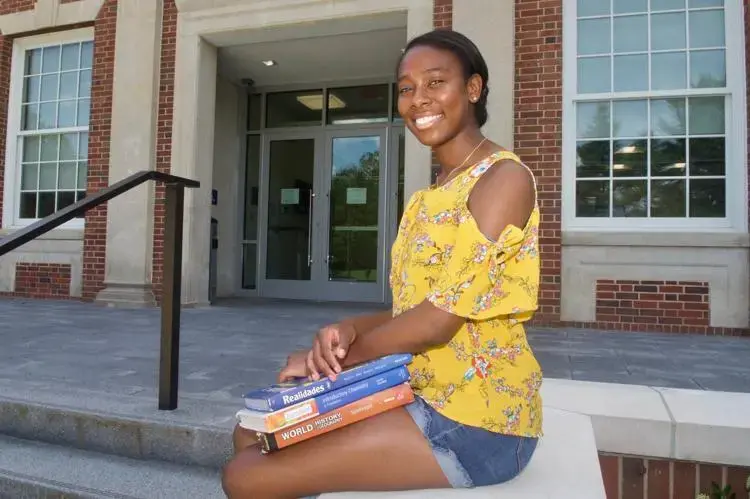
<point>296,366</point>
<point>330,345</point>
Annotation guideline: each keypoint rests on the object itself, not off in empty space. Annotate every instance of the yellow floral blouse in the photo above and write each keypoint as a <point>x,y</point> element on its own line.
<point>487,375</point>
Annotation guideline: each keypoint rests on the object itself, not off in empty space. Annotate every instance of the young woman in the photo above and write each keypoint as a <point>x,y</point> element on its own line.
<point>465,276</point>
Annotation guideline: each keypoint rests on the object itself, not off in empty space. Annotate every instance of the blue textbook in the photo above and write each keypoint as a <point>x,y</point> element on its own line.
<point>278,396</point>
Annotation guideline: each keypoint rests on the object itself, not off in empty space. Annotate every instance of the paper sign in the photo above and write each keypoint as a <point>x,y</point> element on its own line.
<point>289,196</point>
<point>356,195</point>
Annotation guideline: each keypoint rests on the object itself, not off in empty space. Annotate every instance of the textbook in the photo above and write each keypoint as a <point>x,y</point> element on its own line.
<point>268,422</point>
<point>356,411</point>
<point>281,395</point>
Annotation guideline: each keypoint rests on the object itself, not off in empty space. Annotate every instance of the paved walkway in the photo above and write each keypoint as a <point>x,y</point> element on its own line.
<point>230,348</point>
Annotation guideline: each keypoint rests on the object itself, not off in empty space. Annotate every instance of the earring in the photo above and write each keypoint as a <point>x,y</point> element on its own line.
<point>474,99</point>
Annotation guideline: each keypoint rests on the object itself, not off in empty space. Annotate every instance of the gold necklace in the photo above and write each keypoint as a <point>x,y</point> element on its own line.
<point>458,168</point>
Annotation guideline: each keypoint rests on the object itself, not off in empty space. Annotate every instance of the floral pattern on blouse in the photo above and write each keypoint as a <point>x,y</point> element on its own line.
<point>487,375</point>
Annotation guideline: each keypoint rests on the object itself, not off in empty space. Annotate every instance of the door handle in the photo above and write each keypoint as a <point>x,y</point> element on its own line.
<point>309,228</point>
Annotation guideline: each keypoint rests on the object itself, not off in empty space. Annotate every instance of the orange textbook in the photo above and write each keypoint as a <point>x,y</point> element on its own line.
<point>358,410</point>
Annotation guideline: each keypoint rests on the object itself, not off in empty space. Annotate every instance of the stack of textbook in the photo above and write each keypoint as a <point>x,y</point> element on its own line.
<point>288,413</point>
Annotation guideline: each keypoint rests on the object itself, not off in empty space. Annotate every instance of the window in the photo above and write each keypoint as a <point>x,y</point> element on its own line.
<point>48,125</point>
<point>654,114</point>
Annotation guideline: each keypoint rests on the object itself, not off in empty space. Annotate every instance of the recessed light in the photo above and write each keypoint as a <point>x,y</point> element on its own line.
<point>269,62</point>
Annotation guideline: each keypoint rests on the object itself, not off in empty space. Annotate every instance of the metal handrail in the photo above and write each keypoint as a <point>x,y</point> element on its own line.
<point>174,202</point>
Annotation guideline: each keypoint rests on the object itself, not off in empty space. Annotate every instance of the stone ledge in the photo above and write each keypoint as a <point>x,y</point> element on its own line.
<point>670,423</point>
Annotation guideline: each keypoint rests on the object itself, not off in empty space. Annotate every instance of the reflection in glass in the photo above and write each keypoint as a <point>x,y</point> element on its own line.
<point>667,117</point>
<point>629,198</point>
<point>631,32</point>
<point>706,115</point>
<point>353,243</point>
<point>697,4</point>
<point>594,75</point>
<point>292,109</point>
<point>254,111</point>
<point>708,69</point>
<point>592,198</point>
<point>630,118</point>
<point>707,28</point>
<point>707,156</point>
<point>668,198</point>
<point>631,73</point>
<point>668,31</point>
<point>668,71</point>
<point>630,6</point>
<point>657,5</point>
<point>289,236</point>
<point>592,120</point>
<point>594,36</point>
<point>708,198</point>
<point>358,105</point>
<point>250,223</point>
<point>592,159</point>
<point>592,8</point>
<point>668,158</point>
<point>629,158</point>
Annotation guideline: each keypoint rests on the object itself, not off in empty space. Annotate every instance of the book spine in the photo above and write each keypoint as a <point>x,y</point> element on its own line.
<point>311,390</point>
<point>354,412</point>
<point>335,399</point>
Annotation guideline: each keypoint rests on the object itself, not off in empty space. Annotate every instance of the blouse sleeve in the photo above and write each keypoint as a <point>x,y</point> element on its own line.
<point>474,283</point>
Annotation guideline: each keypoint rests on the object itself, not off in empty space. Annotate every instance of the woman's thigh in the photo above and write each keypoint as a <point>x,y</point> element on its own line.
<point>384,452</point>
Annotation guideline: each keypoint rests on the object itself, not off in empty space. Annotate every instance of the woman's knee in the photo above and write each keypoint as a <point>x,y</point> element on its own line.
<point>242,438</point>
<point>238,479</point>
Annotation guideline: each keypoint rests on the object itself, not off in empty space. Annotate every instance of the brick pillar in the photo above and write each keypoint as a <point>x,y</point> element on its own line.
<point>95,233</point>
<point>538,131</point>
<point>6,49</point>
<point>442,15</point>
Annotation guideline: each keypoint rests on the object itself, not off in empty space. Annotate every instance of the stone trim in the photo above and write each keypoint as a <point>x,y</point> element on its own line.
<point>47,14</point>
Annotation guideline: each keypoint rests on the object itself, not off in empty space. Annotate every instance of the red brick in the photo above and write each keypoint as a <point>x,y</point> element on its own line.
<point>13,6</point>
<point>633,475</point>
<point>42,280</point>
<point>684,480</point>
<point>610,466</point>
<point>658,478</point>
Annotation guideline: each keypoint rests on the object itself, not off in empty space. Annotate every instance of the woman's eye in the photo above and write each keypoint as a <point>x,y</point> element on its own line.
<point>435,83</point>
<point>403,90</point>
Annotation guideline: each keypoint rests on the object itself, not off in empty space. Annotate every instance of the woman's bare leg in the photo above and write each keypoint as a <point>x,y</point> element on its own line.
<point>242,439</point>
<point>384,452</point>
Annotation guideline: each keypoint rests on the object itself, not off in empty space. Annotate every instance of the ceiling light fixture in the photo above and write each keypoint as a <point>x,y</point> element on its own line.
<point>269,62</point>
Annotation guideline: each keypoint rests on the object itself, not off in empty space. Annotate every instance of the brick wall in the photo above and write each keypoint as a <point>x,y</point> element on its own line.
<point>95,233</point>
<point>442,14</point>
<point>538,130</point>
<point>6,50</point>
<point>668,306</point>
<point>13,6</point>
<point>164,135</point>
<point>41,280</point>
<point>638,478</point>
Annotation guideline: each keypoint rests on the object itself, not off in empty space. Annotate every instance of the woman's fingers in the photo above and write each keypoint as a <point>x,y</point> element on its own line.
<point>329,346</point>
<point>320,349</point>
<point>312,370</point>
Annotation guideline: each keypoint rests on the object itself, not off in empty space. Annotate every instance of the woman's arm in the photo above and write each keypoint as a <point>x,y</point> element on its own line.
<point>367,322</point>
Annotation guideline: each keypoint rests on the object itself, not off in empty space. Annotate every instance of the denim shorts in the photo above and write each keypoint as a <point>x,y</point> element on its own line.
<point>470,456</point>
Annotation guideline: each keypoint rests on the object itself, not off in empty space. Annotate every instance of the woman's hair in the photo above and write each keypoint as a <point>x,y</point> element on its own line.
<point>467,53</point>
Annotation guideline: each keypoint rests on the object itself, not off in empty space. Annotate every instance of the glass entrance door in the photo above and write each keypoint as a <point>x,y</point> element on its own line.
<point>354,243</point>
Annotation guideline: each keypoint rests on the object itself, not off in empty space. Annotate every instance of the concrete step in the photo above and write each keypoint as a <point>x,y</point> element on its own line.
<point>33,469</point>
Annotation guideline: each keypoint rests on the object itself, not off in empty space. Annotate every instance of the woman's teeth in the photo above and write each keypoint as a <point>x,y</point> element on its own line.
<point>427,121</point>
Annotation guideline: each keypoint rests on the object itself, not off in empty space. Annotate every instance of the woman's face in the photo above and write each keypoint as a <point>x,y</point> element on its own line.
<point>434,99</point>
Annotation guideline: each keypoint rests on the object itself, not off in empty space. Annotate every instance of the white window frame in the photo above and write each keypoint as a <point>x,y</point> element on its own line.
<point>735,126</point>
<point>12,187</point>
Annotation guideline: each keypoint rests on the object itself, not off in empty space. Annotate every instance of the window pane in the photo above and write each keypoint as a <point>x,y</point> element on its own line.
<point>84,88</point>
<point>669,71</point>
<point>629,158</point>
<point>629,198</point>
<point>46,204</point>
<point>657,5</point>
<point>49,87</point>
<point>66,114</point>
<point>592,198</point>
<point>83,112</point>
<point>594,36</point>
<point>65,199</point>
<point>47,176</point>
<point>29,117</point>
<point>28,205</point>
<point>630,6</point>
<point>631,32</point>
<point>630,118</point>
<point>288,109</point>
<point>29,177</point>
<point>68,176</point>
<point>667,117</point>
<point>69,85</point>
<point>50,59</point>
<point>82,171</point>
<point>631,73</point>
<point>87,54</point>
<point>594,75</point>
<point>33,64</point>
<point>31,88</point>
<point>354,105</point>
<point>69,147</point>
<point>708,198</point>
<point>592,8</point>
<point>70,56</point>
<point>49,148</point>
<point>592,159</point>
<point>668,31</point>
<point>707,156</point>
<point>668,198</point>
<point>668,157</point>
<point>254,102</point>
<point>708,69</point>
<point>707,28</point>
<point>706,115</point>
<point>593,120</point>
<point>695,4</point>
<point>30,149</point>
<point>83,145</point>
<point>48,115</point>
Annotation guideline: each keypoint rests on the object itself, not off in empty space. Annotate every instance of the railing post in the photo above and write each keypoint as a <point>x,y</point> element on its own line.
<point>171,297</point>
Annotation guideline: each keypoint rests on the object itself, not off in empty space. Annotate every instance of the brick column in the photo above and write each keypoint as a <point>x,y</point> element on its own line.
<point>443,14</point>
<point>129,219</point>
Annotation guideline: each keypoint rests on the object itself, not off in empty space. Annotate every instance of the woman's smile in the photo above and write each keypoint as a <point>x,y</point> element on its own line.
<point>425,122</point>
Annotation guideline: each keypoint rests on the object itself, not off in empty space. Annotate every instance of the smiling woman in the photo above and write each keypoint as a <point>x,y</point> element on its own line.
<point>465,276</point>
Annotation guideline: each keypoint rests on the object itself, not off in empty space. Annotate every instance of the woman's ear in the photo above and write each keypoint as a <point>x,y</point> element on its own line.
<point>474,88</point>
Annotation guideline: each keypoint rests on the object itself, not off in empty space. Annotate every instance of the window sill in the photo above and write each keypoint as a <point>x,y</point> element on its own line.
<point>706,239</point>
<point>63,234</point>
